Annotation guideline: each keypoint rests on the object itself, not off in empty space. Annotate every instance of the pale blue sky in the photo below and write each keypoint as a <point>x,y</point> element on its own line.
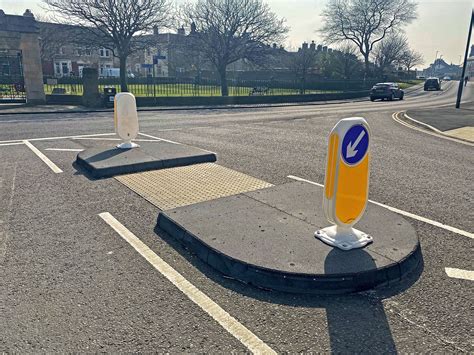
<point>442,25</point>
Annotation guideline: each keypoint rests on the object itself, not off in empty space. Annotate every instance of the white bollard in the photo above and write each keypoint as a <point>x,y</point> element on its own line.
<point>126,119</point>
<point>346,185</point>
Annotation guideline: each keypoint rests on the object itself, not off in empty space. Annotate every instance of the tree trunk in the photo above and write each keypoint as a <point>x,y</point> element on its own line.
<point>123,74</point>
<point>366,65</point>
<point>223,76</point>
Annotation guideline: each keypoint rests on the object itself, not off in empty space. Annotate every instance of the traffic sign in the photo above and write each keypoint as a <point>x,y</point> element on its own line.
<point>346,185</point>
<point>355,144</point>
<point>126,119</point>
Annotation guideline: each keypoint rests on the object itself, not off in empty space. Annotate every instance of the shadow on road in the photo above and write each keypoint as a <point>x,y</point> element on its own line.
<point>357,322</point>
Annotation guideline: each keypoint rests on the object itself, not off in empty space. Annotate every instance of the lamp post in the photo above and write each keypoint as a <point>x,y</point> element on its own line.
<point>458,100</point>
<point>434,64</point>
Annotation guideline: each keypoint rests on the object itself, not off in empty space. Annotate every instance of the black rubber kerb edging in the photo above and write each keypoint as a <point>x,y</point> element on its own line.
<point>292,282</point>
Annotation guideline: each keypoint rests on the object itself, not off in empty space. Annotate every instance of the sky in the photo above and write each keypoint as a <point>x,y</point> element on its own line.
<point>442,25</point>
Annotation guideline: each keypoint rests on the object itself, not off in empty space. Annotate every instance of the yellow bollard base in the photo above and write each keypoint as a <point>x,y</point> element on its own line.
<point>345,238</point>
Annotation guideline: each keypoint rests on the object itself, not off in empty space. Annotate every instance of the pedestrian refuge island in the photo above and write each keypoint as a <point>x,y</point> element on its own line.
<point>137,152</point>
<point>300,237</point>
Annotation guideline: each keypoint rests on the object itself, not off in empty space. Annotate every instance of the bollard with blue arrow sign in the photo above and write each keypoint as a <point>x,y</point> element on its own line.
<point>346,185</point>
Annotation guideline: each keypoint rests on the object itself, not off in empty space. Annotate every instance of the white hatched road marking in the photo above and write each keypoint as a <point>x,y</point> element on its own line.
<point>12,143</point>
<point>115,139</point>
<point>229,323</point>
<point>460,274</point>
<point>43,157</point>
<point>57,138</point>
<point>403,213</point>
<point>65,149</point>
<point>161,139</point>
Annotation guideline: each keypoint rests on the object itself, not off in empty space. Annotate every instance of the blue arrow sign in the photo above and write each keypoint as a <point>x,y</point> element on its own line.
<point>355,144</point>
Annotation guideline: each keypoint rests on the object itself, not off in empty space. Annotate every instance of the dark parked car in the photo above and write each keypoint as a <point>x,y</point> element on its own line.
<point>432,83</point>
<point>387,91</point>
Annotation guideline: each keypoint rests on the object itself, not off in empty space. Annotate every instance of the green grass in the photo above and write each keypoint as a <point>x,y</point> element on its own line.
<point>404,85</point>
<point>177,90</point>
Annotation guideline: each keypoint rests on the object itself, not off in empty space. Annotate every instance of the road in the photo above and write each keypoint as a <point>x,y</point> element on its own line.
<point>70,283</point>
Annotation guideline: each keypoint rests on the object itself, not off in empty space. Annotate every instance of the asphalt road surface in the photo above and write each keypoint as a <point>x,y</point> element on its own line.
<point>69,282</point>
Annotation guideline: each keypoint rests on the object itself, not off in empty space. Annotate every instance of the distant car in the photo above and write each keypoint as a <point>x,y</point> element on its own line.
<point>447,78</point>
<point>432,83</point>
<point>387,91</point>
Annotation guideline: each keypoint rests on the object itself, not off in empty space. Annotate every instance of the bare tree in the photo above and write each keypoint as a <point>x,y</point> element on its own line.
<point>230,30</point>
<point>365,22</point>
<point>51,39</point>
<point>390,51</point>
<point>345,61</point>
<point>411,58</point>
<point>301,63</point>
<point>118,25</point>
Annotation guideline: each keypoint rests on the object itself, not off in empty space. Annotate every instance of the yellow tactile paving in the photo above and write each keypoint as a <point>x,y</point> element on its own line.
<point>466,133</point>
<point>182,186</point>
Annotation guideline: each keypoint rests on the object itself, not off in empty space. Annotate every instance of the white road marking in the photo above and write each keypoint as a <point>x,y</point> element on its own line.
<point>13,143</point>
<point>65,149</point>
<point>43,157</point>
<point>57,137</point>
<point>403,213</point>
<point>157,138</point>
<point>115,139</point>
<point>436,133</point>
<point>229,323</point>
<point>459,273</point>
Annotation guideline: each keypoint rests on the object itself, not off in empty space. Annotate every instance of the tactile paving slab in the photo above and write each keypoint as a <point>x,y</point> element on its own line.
<point>183,186</point>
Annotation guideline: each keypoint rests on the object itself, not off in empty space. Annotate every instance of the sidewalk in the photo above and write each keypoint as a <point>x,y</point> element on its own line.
<point>12,109</point>
<point>449,121</point>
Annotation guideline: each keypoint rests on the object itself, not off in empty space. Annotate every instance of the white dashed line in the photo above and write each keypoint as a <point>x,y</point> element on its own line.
<point>229,323</point>
<point>460,274</point>
<point>43,157</point>
<point>403,213</point>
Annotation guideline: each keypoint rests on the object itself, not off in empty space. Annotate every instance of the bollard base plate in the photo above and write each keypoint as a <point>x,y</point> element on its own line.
<point>127,145</point>
<point>343,238</point>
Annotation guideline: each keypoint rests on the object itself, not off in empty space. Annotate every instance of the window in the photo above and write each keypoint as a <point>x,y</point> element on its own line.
<point>57,69</point>
<point>65,68</point>
<point>62,68</point>
<point>104,53</point>
<point>83,52</point>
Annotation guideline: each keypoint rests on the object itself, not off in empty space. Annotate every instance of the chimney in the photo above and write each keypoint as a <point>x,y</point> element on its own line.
<point>181,31</point>
<point>329,50</point>
<point>305,46</point>
<point>320,47</point>
<point>155,30</point>
<point>274,46</point>
<point>325,48</point>
<point>312,46</point>
<point>28,13</point>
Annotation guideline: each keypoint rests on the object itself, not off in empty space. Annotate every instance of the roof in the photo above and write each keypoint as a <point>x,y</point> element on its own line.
<point>15,23</point>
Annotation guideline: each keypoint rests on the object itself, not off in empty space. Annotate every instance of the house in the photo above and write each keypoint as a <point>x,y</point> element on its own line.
<point>441,69</point>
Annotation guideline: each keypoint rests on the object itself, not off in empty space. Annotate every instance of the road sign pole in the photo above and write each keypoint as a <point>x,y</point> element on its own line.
<point>126,119</point>
<point>458,99</point>
<point>346,185</point>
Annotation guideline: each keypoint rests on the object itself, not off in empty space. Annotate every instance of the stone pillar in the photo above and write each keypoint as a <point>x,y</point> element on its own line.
<point>32,69</point>
<point>90,82</point>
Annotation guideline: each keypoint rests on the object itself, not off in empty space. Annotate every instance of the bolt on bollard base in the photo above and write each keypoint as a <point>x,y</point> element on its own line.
<point>345,238</point>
